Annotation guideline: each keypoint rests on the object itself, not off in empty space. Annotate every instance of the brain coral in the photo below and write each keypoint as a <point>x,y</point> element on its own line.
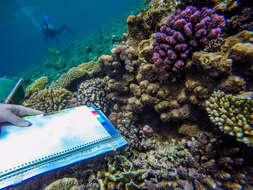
<point>63,184</point>
<point>49,100</point>
<point>182,34</point>
<point>38,85</point>
<point>232,114</point>
<point>75,75</point>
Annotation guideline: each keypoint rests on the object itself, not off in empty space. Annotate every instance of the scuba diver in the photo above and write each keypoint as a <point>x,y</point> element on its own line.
<point>49,31</point>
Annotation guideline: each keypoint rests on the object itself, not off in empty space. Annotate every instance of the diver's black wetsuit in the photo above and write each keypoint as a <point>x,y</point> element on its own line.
<point>50,32</point>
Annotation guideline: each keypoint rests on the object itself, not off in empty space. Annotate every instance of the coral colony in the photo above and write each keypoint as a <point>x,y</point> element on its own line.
<point>180,35</point>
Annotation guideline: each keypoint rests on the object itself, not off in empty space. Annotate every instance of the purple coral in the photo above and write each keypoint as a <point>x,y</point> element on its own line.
<point>182,34</point>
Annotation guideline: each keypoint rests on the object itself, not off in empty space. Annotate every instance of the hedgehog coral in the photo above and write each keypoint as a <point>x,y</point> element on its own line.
<point>232,114</point>
<point>180,35</point>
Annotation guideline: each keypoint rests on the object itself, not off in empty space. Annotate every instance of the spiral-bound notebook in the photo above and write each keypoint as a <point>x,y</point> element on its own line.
<point>54,141</point>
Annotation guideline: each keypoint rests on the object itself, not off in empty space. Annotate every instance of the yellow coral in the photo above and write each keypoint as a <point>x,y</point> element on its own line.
<point>232,114</point>
<point>38,85</point>
<point>82,71</point>
<point>49,100</point>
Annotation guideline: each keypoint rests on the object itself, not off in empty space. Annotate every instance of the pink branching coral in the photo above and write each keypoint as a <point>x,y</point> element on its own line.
<point>182,34</point>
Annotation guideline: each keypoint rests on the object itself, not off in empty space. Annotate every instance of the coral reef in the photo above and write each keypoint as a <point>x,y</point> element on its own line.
<point>70,79</point>
<point>215,163</point>
<point>233,115</point>
<point>92,92</point>
<point>181,35</point>
<point>200,163</point>
<point>36,86</point>
<point>49,100</point>
<point>168,123</point>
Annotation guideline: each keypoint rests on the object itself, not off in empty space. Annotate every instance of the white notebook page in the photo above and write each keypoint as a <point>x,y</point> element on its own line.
<point>48,135</point>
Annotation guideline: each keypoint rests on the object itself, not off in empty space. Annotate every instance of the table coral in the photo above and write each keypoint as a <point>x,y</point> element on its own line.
<point>182,34</point>
<point>233,115</point>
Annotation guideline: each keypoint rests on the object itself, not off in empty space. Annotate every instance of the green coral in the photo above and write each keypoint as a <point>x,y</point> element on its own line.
<point>232,114</point>
<point>81,72</point>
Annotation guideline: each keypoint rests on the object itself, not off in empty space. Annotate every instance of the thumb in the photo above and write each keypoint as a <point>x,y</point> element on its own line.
<point>15,120</point>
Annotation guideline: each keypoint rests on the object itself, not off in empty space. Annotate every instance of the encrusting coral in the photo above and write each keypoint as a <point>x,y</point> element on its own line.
<point>232,114</point>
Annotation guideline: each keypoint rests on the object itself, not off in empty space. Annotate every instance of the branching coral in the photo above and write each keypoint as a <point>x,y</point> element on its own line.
<point>180,35</point>
<point>233,115</point>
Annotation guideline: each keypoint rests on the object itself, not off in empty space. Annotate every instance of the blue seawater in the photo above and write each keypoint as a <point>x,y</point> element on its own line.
<point>22,44</point>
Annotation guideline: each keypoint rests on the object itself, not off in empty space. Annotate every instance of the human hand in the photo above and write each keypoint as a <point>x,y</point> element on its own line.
<point>11,113</point>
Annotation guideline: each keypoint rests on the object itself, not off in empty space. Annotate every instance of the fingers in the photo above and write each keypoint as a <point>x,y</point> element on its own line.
<point>23,111</point>
<point>17,121</point>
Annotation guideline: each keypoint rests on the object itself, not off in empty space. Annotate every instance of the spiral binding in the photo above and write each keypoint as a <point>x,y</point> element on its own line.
<point>25,167</point>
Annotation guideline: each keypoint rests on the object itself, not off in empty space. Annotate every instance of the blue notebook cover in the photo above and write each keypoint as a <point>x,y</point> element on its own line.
<point>55,141</point>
